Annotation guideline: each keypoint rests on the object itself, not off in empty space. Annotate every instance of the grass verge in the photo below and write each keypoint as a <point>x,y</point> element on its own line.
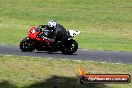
<point>29,72</point>
<point>104,24</point>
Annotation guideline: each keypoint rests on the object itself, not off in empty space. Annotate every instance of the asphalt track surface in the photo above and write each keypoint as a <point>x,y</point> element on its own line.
<point>89,55</point>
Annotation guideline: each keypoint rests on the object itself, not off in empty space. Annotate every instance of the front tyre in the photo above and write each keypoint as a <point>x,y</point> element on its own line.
<point>69,47</point>
<point>27,45</point>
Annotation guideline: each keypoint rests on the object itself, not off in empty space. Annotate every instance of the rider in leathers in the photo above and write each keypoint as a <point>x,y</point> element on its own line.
<point>57,32</point>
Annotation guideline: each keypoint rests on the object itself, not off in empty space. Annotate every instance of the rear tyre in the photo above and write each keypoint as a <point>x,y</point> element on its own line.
<point>69,47</point>
<point>27,45</point>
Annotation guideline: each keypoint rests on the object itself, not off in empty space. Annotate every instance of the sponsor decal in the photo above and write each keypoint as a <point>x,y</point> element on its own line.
<point>82,77</point>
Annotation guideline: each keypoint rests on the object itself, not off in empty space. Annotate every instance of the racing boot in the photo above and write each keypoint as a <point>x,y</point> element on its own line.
<point>51,47</point>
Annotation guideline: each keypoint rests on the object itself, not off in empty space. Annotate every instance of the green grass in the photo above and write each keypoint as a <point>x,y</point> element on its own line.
<point>28,72</point>
<point>104,24</point>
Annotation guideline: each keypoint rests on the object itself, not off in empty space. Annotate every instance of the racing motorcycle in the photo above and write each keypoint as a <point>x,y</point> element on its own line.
<point>34,41</point>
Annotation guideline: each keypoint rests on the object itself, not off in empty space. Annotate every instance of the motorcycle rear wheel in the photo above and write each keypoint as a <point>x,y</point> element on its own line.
<point>69,47</point>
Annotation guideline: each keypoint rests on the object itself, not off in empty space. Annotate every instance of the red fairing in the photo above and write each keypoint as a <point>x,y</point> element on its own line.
<point>32,27</point>
<point>32,33</point>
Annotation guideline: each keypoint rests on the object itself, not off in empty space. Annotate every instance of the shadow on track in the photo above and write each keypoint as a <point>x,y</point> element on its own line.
<point>46,52</point>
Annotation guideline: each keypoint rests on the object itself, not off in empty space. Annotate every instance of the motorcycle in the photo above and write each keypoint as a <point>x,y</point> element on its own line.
<point>34,41</point>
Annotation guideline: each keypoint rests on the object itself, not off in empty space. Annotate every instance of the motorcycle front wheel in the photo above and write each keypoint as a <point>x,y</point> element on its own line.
<point>27,45</point>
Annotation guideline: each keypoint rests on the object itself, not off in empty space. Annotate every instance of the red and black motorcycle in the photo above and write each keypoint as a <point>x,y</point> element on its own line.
<point>34,41</point>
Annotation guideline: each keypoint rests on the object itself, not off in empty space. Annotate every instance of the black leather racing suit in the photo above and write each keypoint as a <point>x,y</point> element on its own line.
<point>58,33</point>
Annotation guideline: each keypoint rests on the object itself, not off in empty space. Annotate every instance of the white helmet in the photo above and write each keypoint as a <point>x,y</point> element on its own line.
<point>52,23</point>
